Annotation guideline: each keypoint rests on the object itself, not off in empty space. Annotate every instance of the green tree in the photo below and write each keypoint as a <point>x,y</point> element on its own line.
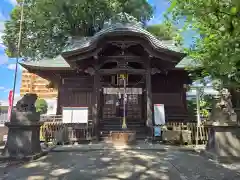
<point>166,31</point>
<point>48,23</point>
<point>217,49</point>
<point>206,103</point>
<point>41,106</point>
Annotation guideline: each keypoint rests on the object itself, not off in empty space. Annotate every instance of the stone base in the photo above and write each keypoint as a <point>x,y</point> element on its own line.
<point>23,158</point>
<point>25,117</point>
<point>23,139</point>
<point>177,136</point>
<point>224,140</point>
<point>123,137</point>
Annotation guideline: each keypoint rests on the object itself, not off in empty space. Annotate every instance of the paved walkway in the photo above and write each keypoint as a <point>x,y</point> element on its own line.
<point>139,146</point>
<point>113,164</point>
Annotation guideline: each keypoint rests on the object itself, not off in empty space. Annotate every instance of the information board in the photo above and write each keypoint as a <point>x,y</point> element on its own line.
<point>67,114</point>
<point>159,114</point>
<point>80,115</point>
<point>75,114</point>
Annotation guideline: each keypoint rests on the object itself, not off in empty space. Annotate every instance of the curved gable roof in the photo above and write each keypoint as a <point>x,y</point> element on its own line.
<point>122,24</point>
<point>121,29</point>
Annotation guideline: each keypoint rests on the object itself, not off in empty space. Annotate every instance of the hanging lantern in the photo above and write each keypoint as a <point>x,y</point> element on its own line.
<point>121,78</point>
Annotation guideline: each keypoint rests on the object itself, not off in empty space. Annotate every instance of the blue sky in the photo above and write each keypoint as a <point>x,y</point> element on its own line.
<point>7,65</point>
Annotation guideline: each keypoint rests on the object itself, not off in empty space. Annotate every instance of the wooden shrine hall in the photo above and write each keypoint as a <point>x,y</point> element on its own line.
<point>90,72</point>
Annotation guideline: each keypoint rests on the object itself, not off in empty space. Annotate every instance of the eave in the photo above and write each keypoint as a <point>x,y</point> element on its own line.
<point>57,63</point>
<point>86,47</point>
<point>32,67</point>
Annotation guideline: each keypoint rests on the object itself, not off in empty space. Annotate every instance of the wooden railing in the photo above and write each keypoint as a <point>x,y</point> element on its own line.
<point>51,118</point>
<point>66,133</point>
<point>3,118</point>
<point>54,130</point>
<point>192,126</point>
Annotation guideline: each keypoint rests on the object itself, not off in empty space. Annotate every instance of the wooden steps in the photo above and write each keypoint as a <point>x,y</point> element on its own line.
<point>179,114</point>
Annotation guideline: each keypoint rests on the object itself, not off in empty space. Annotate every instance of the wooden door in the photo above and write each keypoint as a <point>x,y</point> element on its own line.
<point>113,106</point>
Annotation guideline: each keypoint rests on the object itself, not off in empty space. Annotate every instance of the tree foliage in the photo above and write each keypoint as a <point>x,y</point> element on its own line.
<point>217,49</point>
<point>206,103</point>
<point>41,106</point>
<point>165,31</point>
<point>48,23</point>
<point>162,31</point>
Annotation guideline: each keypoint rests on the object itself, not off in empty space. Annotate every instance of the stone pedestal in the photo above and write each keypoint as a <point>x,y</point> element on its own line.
<point>224,140</point>
<point>123,137</point>
<point>177,136</point>
<point>23,129</point>
<point>23,139</point>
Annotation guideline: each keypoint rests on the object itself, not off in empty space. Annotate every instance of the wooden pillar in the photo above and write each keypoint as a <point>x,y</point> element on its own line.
<point>149,121</point>
<point>184,96</point>
<point>96,103</point>
<point>59,97</point>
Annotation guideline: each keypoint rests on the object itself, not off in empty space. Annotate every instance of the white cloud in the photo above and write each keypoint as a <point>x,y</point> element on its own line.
<point>1,34</point>
<point>3,59</point>
<point>1,41</point>
<point>2,27</point>
<point>2,46</point>
<point>2,88</point>
<point>7,90</point>
<point>13,2</point>
<point>4,14</point>
<point>17,97</point>
<point>13,67</point>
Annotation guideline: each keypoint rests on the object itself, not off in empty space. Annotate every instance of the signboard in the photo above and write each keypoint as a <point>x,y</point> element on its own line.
<point>121,90</point>
<point>75,114</point>
<point>159,114</point>
<point>67,114</point>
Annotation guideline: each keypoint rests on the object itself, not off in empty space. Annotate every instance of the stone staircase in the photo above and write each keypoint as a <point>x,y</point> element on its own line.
<point>177,114</point>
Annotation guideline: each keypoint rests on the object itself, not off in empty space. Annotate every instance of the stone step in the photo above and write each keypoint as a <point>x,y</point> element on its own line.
<point>105,135</point>
<point>120,123</point>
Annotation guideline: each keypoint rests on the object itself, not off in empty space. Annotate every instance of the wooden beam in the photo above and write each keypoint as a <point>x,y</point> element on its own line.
<point>118,71</point>
<point>122,57</point>
<point>80,89</point>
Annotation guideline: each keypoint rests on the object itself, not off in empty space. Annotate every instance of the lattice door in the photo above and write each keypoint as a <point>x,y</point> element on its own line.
<point>112,105</point>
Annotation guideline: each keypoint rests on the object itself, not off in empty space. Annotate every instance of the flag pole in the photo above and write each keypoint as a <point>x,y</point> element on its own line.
<point>18,54</point>
<point>198,114</point>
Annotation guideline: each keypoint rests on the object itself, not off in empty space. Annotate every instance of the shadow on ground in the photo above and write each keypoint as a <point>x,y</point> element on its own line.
<point>122,165</point>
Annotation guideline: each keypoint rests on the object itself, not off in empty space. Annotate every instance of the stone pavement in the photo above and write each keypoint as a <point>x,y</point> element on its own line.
<point>117,164</point>
<point>140,145</point>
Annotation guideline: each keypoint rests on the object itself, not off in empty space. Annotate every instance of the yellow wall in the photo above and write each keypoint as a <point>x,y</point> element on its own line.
<point>31,83</point>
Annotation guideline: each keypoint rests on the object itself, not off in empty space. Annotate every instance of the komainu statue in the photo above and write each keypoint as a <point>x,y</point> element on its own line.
<point>222,111</point>
<point>25,110</point>
<point>23,129</point>
<point>27,103</point>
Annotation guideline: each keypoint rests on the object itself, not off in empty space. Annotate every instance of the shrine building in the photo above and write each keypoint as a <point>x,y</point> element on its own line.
<point>90,72</point>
